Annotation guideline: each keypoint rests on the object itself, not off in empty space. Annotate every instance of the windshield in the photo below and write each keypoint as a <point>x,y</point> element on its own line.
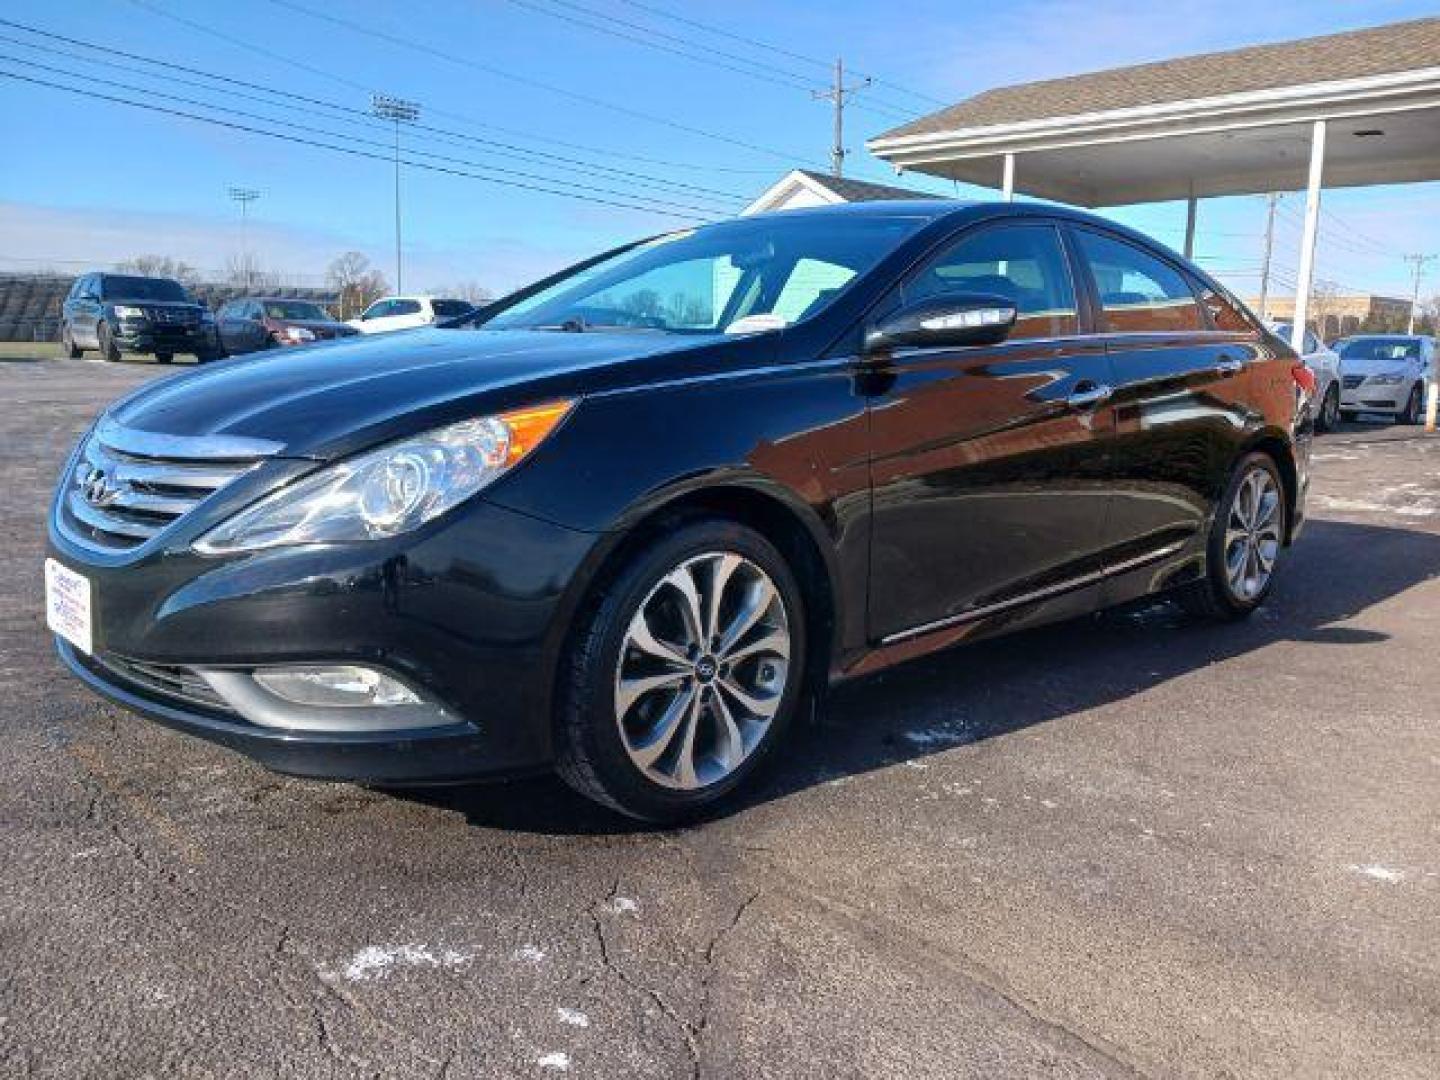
<point>120,287</point>
<point>1390,348</point>
<point>735,277</point>
<point>294,309</point>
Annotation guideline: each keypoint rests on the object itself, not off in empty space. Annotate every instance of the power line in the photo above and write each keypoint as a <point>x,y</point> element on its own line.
<point>711,28</point>
<point>351,151</point>
<point>525,80</point>
<point>658,205</point>
<point>343,113</point>
<point>605,23</point>
<point>323,73</point>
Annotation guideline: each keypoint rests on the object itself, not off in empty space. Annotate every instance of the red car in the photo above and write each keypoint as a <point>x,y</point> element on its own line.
<point>252,323</point>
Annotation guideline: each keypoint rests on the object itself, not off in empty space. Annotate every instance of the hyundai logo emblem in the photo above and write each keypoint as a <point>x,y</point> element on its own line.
<point>95,486</point>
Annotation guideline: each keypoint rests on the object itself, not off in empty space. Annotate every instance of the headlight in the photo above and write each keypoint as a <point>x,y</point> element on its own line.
<point>1387,380</point>
<point>297,333</point>
<point>390,490</point>
<point>123,312</point>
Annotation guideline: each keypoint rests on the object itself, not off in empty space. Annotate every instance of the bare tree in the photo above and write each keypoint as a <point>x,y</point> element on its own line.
<point>160,266</point>
<point>355,282</point>
<point>244,272</point>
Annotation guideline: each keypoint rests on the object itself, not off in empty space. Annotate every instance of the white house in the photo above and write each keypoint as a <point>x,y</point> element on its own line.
<point>801,187</point>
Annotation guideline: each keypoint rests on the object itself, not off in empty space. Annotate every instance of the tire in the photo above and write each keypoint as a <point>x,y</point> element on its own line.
<point>1414,408</point>
<point>627,749</point>
<point>68,346</point>
<point>1329,410</point>
<point>1218,595</point>
<point>164,358</point>
<point>109,351</point>
<point>1348,415</point>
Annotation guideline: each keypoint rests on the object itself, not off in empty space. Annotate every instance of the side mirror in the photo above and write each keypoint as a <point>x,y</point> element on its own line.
<point>946,319</point>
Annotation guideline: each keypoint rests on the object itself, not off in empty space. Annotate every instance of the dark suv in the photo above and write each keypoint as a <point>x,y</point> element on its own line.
<point>123,313</point>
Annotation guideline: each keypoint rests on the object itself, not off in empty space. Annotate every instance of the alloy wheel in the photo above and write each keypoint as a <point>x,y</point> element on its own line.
<point>702,670</point>
<point>1252,534</point>
<point>1330,411</point>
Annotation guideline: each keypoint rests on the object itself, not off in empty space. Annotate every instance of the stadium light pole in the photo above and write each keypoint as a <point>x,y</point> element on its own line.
<point>245,196</point>
<point>399,111</point>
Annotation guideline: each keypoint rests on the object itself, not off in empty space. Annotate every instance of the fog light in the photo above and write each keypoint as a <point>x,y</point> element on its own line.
<point>335,684</point>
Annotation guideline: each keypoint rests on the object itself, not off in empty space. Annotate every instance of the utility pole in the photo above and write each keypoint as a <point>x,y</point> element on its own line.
<point>1271,200</point>
<point>1418,261</point>
<point>838,93</point>
<point>400,112</point>
<point>245,196</point>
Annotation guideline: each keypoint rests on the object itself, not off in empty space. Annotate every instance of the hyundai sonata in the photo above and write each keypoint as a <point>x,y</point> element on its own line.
<point>626,521</point>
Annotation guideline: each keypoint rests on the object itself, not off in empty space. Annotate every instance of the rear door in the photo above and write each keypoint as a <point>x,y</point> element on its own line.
<point>989,462</point>
<point>84,321</point>
<point>1181,355</point>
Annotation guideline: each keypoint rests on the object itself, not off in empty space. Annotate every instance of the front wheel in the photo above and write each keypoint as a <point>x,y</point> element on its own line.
<point>165,357</point>
<point>685,675</point>
<point>68,346</point>
<point>1329,410</point>
<point>108,349</point>
<point>1414,407</point>
<point>1245,542</point>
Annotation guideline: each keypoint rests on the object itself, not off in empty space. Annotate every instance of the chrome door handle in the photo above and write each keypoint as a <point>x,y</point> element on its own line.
<point>1086,399</point>
<point>1229,366</point>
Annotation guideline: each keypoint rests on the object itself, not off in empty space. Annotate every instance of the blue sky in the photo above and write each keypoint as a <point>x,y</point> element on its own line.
<point>87,182</point>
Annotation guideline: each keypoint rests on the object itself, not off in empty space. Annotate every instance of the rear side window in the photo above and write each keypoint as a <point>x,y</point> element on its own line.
<point>404,307</point>
<point>1223,312</point>
<point>1138,292</point>
<point>1021,263</point>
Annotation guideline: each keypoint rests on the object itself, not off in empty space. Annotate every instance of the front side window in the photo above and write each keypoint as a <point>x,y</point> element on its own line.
<point>1138,292</point>
<point>734,277</point>
<point>1024,264</point>
<point>378,310</point>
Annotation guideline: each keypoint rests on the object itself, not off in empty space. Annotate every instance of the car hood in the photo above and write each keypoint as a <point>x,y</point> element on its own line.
<point>330,399</point>
<point>169,305</point>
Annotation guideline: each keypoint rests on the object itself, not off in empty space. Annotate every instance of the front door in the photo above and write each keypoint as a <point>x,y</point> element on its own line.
<point>989,464</point>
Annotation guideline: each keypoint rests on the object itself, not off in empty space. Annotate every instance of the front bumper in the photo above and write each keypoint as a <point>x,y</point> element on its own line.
<point>145,337</point>
<point>1372,397</point>
<point>468,610</point>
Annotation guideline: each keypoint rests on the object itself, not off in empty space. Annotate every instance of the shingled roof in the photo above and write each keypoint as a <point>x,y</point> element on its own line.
<point>862,190</point>
<point>1354,54</point>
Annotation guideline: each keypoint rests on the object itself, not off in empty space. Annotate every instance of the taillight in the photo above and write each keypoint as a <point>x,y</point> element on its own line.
<point>1304,377</point>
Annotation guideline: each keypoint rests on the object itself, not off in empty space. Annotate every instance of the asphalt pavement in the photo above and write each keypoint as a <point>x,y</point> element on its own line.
<point>1131,845</point>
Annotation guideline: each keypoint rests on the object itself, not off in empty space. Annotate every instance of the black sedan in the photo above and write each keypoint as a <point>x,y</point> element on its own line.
<point>251,323</point>
<point>626,522</point>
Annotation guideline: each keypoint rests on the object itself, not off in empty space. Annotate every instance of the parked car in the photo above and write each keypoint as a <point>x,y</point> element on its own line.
<point>1386,373</point>
<point>126,313</point>
<point>1324,363</point>
<point>251,323</point>
<point>408,312</point>
<point>634,516</point>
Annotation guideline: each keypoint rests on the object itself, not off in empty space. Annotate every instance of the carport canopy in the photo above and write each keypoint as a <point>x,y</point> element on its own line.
<point>1348,109</point>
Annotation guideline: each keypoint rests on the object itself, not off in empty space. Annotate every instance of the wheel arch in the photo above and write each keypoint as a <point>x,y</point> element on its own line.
<point>796,531</point>
<point>1280,450</point>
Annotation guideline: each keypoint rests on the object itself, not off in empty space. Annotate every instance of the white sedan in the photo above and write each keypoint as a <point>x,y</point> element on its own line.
<point>1325,364</point>
<point>406,312</point>
<point>1387,373</point>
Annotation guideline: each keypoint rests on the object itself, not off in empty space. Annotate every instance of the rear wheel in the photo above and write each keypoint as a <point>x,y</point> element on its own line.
<point>1329,410</point>
<point>1246,539</point>
<point>686,674</point>
<point>108,349</point>
<point>165,357</point>
<point>1414,407</point>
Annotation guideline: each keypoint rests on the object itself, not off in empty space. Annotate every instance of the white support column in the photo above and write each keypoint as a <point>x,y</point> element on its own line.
<point>1007,179</point>
<point>1305,279</point>
<point>1190,228</point>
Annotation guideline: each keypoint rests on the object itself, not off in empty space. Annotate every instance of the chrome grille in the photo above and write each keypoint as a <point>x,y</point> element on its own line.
<point>127,486</point>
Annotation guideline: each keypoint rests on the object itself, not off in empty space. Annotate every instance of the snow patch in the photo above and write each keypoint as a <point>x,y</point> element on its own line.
<point>623,905</point>
<point>378,961</point>
<point>557,1061</point>
<point>573,1017</point>
<point>936,737</point>
<point>1376,872</point>
<point>530,954</point>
